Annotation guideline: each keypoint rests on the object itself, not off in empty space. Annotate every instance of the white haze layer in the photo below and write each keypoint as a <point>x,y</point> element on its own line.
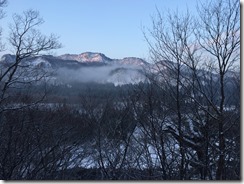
<point>117,74</point>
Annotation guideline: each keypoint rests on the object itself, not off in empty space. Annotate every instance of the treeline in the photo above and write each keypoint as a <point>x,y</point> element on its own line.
<point>112,134</point>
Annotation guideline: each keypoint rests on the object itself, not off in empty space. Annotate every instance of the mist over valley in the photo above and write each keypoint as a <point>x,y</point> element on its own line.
<point>86,67</point>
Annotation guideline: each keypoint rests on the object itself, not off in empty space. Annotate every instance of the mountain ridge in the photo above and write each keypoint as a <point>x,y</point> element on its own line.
<point>85,67</point>
<point>84,58</point>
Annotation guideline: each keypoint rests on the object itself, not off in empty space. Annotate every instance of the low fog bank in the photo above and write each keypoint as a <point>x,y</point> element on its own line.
<point>116,74</point>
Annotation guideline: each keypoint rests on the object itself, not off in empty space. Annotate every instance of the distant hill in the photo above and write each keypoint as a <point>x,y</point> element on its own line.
<point>87,66</point>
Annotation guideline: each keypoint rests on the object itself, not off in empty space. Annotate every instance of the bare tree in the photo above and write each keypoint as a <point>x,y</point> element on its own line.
<point>26,41</point>
<point>193,60</point>
<point>18,143</point>
<point>171,46</point>
<point>218,34</point>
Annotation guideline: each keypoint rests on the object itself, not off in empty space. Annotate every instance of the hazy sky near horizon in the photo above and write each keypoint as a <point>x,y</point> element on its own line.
<point>112,27</point>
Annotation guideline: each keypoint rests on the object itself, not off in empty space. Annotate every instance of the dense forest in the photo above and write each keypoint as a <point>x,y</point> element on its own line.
<point>109,132</point>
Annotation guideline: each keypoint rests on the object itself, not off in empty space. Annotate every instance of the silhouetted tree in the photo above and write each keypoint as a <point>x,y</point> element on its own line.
<point>193,60</point>
<point>26,41</point>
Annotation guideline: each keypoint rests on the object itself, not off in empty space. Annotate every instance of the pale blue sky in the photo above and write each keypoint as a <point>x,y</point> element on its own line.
<point>112,27</point>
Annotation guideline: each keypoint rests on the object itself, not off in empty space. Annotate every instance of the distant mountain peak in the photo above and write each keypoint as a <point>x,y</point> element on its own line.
<point>86,57</point>
<point>133,61</point>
